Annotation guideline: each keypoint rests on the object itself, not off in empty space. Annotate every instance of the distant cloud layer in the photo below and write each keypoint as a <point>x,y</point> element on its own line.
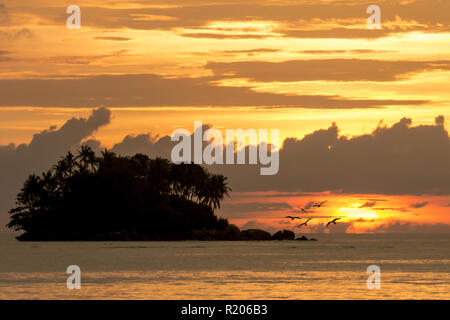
<point>408,227</point>
<point>401,159</point>
<point>388,227</point>
<point>325,69</point>
<point>154,90</point>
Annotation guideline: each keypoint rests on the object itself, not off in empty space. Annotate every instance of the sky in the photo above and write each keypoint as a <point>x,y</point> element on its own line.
<point>362,113</point>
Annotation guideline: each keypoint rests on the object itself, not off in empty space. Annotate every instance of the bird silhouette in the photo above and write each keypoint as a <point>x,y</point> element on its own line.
<point>304,210</point>
<point>304,223</point>
<point>333,221</point>
<point>292,218</point>
<point>318,205</point>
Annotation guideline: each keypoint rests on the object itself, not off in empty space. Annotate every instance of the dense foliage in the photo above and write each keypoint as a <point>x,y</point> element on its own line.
<point>86,197</point>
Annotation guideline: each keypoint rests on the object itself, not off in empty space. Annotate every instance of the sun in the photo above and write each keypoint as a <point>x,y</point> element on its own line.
<point>355,212</point>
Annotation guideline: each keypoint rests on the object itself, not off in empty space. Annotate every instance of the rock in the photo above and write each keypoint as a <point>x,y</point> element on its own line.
<point>255,234</point>
<point>230,233</point>
<point>283,235</point>
<point>303,238</point>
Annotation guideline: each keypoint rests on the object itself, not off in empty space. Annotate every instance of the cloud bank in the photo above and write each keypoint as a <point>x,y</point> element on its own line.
<point>400,159</point>
<point>151,90</point>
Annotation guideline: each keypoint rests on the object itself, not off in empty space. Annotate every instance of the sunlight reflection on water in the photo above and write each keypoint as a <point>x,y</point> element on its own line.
<point>225,285</point>
<point>412,268</point>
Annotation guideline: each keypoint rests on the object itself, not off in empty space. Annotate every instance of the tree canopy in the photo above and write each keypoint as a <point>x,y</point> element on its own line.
<point>110,197</point>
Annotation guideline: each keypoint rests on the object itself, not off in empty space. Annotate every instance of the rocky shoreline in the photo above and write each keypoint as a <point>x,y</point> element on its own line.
<point>230,233</point>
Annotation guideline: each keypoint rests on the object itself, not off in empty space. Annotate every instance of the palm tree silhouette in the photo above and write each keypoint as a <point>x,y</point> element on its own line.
<point>110,193</point>
<point>214,191</point>
<point>87,158</point>
<point>66,166</point>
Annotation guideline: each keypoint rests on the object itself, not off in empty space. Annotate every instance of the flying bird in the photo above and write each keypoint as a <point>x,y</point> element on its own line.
<point>304,210</point>
<point>318,205</point>
<point>333,221</point>
<point>304,223</point>
<point>292,218</point>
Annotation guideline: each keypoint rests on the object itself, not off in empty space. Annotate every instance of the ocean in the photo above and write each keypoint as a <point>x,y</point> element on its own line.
<point>412,266</point>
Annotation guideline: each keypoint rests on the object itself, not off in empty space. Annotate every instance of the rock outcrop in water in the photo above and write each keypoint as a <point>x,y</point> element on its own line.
<point>283,235</point>
<point>303,238</point>
<point>255,234</point>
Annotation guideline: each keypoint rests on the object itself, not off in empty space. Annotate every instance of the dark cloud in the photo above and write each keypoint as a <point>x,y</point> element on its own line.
<point>279,194</point>
<point>54,141</point>
<point>309,205</point>
<point>113,38</point>
<point>339,227</point>
<point>401,159</point>
<point>46,147</point>
<point>346,33</point>
<point>408,227</point>
<point>325,69</point>
<point>390,227</point>
<point>374,200</point>
<point>250,51</point>
<point>245,210</point>
<point>145,144</point>
<point>23,33</point>
<point>354,51</point>
<point>74,60</point>
<point>396,209</point>
<point>368,204</point>
<point>219,36</point>
<point>258,206</point>
<point>154,90</point>
<point>96,145</point>
<point>419,205</point>
<point>4,56</point>
<point>256,224</point>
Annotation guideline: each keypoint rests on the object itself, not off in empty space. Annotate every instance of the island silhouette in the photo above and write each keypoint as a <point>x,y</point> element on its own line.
<point>86,197</point>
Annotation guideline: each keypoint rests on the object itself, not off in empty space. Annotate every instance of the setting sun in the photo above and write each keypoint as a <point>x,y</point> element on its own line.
<point>356,213</point>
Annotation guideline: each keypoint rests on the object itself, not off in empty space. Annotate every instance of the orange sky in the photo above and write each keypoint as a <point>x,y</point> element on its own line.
<point>358,213</point>
<point>296,66</point>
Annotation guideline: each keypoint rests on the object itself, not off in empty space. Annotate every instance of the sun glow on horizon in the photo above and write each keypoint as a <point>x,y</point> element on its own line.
<point>354,211</point>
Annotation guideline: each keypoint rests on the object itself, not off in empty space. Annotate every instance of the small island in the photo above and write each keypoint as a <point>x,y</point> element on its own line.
<point>114,198</point>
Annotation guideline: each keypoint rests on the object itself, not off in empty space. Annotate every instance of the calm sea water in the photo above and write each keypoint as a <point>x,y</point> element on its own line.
<point>412,267</point>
